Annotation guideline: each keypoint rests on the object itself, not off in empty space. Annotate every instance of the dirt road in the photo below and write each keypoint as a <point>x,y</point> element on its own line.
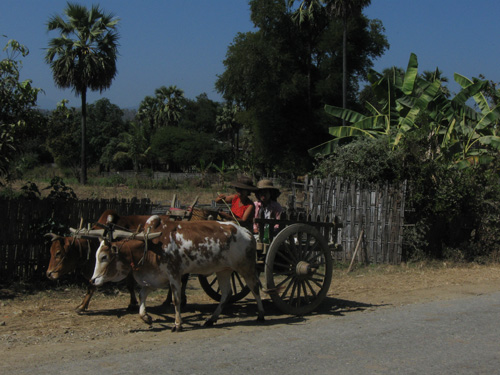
<point>43,327</point>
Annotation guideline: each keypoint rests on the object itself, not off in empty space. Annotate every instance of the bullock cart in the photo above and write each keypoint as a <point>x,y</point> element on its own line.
<point>294,261</point>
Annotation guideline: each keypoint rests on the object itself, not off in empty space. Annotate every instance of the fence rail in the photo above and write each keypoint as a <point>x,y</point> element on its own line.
<point>24,251</point>
<point>375,214</point>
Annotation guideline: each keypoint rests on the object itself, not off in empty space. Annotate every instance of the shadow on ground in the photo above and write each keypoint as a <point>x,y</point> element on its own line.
<point>243,313</point>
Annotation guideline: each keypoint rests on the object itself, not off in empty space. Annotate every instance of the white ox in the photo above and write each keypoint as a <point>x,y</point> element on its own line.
<point>200,247</point>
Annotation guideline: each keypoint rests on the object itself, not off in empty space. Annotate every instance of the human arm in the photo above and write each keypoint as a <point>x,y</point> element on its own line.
<point>223,198</point>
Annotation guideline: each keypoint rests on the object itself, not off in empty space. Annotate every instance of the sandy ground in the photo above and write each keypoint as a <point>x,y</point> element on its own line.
<point>38,325</point>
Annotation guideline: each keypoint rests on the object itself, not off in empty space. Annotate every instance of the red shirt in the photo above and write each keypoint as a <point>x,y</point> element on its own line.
<point>238,210</point>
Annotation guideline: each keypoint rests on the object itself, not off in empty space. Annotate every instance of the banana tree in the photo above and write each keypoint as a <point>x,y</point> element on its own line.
<point>476,136</point>
<point>406,102</point>
<point>401,97</point>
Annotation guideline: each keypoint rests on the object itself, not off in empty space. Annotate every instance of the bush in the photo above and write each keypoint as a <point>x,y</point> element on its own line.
<point>450,213</point>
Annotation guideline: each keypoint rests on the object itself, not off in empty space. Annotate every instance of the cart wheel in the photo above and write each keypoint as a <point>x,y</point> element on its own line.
<point>298,269</point>
<point>211,287</point>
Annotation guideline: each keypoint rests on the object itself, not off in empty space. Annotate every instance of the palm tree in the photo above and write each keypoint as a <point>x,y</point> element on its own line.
<point>133,146</point>
<point>344,9</point>
<point>227,123</point>
<point>147,112</point>
<point>88,61</point>
<point>170,105</point>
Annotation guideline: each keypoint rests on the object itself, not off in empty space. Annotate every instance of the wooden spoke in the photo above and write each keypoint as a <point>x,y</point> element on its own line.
<point>299,266</point>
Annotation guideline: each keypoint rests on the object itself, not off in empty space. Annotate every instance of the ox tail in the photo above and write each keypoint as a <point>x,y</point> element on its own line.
<point>271,290</point>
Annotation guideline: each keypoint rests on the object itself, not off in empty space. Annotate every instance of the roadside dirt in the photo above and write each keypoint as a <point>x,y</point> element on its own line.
<point>44,326</point>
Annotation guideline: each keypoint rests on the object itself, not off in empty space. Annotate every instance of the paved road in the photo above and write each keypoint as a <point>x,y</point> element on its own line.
<point>460,336</point>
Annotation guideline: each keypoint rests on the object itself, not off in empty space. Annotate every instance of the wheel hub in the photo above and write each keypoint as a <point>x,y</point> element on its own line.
<point>303,268</point>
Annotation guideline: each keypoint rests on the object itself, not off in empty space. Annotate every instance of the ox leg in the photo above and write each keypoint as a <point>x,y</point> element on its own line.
<point>168,300</point>
<point>224,280</point>
<point>131,289</point>
<point>143,294</point>
<point>86,300</point>
<point>253,283</point>
<point>176,289</point>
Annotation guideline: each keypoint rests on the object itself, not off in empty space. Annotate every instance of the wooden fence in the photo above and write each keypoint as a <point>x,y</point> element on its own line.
<point>24,251</point>
<point>370,215</point>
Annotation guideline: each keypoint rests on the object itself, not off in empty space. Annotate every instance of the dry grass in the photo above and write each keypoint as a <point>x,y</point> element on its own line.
<point>185,194</point>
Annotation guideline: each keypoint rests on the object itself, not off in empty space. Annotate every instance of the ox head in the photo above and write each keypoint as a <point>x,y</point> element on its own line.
<point>109,265</point>
<point>66,253</point>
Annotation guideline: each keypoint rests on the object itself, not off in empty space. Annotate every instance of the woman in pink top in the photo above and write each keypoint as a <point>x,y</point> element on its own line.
<point>242,208</point>
<point>267,206</point>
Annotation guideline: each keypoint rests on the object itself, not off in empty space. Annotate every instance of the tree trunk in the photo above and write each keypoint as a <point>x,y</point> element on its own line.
<point>83,170</point>
<point>344,66</point>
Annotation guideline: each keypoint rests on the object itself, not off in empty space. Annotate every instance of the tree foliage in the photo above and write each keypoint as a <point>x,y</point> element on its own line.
<point>164,109</point>
<point>83,57</point>
<point>17,103</point>
<point>133,146</point>
<point>405,102</point>
<point>63,135</point>
<point>283,74</point>
<point>105,123</point>
<point>181,149</point>
<point>200,114</point>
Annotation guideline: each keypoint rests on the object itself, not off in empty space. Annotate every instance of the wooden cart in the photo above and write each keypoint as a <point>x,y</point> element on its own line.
<point>295,264</point>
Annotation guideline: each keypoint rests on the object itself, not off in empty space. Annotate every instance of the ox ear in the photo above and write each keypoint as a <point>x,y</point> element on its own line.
<point>114,249</point>
<point>52,235</point>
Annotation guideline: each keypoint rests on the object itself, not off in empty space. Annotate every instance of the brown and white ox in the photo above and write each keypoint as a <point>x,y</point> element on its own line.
<point>68,254</point>
<point>200,247</point>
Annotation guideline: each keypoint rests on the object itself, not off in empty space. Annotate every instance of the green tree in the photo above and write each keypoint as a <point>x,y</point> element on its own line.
<point>62,141</point>
<point>147,111</point>
<point>170,105</point>
<point>407,103</point>
<point>88,61</point>
<point>200,114</point>
<point>104,124</point>
<point>17,103</point>
<point>179,149</point>
<point>343,10</point>
<point>133,146</point>
<point>282,76</point>
<point>227,123</point>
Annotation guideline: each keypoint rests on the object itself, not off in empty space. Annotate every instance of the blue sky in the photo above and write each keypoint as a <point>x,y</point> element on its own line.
<point>183,43</point>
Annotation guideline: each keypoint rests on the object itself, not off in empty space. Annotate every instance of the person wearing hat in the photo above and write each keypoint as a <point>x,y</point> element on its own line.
<point>242,207</point>
<point>267,206</point>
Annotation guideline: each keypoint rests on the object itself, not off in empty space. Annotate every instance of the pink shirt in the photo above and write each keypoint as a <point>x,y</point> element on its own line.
<point>272,211</point>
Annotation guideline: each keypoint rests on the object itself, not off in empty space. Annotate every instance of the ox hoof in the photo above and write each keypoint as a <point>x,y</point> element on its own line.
<point>176,328</point>
<point>147,319</point>
<point>261,318</point>
<point>80,309</point>
<point>209,323</point>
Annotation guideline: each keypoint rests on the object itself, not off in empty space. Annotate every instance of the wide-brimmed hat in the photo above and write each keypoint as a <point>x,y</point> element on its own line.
<point>244,182</point>
<point>268,185</point>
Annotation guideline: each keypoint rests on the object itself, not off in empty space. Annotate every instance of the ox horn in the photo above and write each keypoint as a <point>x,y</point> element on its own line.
<point>118,234</point>
<point>94,233</point>
<point>138,236</point>
<point>52,235</point>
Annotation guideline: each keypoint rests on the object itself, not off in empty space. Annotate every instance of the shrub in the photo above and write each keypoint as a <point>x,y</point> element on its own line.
<point>450,213</point>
